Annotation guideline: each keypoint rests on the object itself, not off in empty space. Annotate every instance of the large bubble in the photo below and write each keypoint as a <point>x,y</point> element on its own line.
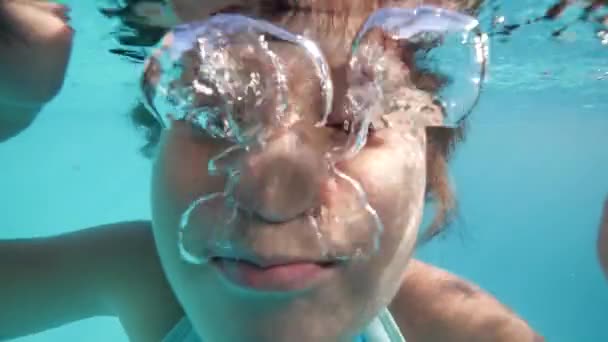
<point>446,51</point>
<point>224,75</point>
<point>235,79</point>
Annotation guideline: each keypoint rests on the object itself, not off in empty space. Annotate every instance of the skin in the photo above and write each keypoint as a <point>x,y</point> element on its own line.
<point>144,282</point>
<point>41,54</point>
<point>191,10</point>
<point>180,176</point>
<point>87,274</point>
<point>389,169</point>
<point>602,241</point>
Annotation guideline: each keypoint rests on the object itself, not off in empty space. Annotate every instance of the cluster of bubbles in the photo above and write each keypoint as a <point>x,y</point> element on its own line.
<point>227,77</point>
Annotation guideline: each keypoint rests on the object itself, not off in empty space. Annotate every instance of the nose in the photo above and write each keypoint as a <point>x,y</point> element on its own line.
<point>282,180</point>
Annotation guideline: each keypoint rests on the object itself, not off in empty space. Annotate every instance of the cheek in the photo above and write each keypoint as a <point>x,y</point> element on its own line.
<point>394,179</point>
<point>393,175</point>
<point>179,177</point>
<point>180,173</point>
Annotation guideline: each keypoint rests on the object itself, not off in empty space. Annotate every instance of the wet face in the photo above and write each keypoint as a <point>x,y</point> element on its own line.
<point>286,287</point>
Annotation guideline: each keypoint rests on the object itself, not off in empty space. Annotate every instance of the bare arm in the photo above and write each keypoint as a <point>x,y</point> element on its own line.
<point>48,282</point>
<point>436,306</point>
<point>107,270</point>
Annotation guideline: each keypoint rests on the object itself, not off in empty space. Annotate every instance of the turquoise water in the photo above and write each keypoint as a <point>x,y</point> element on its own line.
<point>531,176</point>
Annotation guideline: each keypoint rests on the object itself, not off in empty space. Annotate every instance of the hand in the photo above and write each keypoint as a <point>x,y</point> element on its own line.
<point>34,54</point>
<point>34,60</point>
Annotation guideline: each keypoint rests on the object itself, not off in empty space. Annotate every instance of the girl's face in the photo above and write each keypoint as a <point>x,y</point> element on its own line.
<point>302,294</point>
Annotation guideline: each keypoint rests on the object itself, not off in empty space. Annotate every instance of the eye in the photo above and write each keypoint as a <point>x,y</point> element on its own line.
<point>346,126</point>
<point>208,123</point>
<point>343,126</point>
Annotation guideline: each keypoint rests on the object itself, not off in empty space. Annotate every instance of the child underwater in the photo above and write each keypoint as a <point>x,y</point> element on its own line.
<point>287,190</point>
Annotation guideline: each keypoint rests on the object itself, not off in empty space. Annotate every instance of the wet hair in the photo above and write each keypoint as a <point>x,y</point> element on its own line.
<point>589,11</point>
<point>132,32</point>
<point>336,34</point>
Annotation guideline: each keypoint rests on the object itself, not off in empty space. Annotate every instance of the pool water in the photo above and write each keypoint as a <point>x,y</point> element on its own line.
<point>531,176</point>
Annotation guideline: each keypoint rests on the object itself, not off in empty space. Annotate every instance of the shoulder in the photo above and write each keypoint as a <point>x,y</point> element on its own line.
<point>434,305</point>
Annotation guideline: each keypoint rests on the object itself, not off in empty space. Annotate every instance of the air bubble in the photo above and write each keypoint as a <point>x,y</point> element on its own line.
<point>228,77</point>
<point>448,49</point>
<point>224,75</point>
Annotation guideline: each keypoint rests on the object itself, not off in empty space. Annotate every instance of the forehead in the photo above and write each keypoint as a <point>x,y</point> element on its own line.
<point>360,5</point>
<point>333,24</point>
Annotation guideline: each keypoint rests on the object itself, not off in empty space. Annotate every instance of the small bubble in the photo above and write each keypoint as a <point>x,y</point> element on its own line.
<point>499,20</point>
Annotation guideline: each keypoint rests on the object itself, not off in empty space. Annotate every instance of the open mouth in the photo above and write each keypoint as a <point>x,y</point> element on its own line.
<point>277,276</point>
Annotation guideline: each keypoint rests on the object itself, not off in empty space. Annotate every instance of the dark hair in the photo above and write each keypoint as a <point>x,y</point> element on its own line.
<point>132,33</point>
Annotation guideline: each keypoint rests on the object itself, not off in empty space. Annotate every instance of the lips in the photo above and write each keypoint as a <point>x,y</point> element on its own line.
<point>274,275</point>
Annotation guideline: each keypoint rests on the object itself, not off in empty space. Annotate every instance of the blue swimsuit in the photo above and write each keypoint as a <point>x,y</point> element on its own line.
<point>382,329</point>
